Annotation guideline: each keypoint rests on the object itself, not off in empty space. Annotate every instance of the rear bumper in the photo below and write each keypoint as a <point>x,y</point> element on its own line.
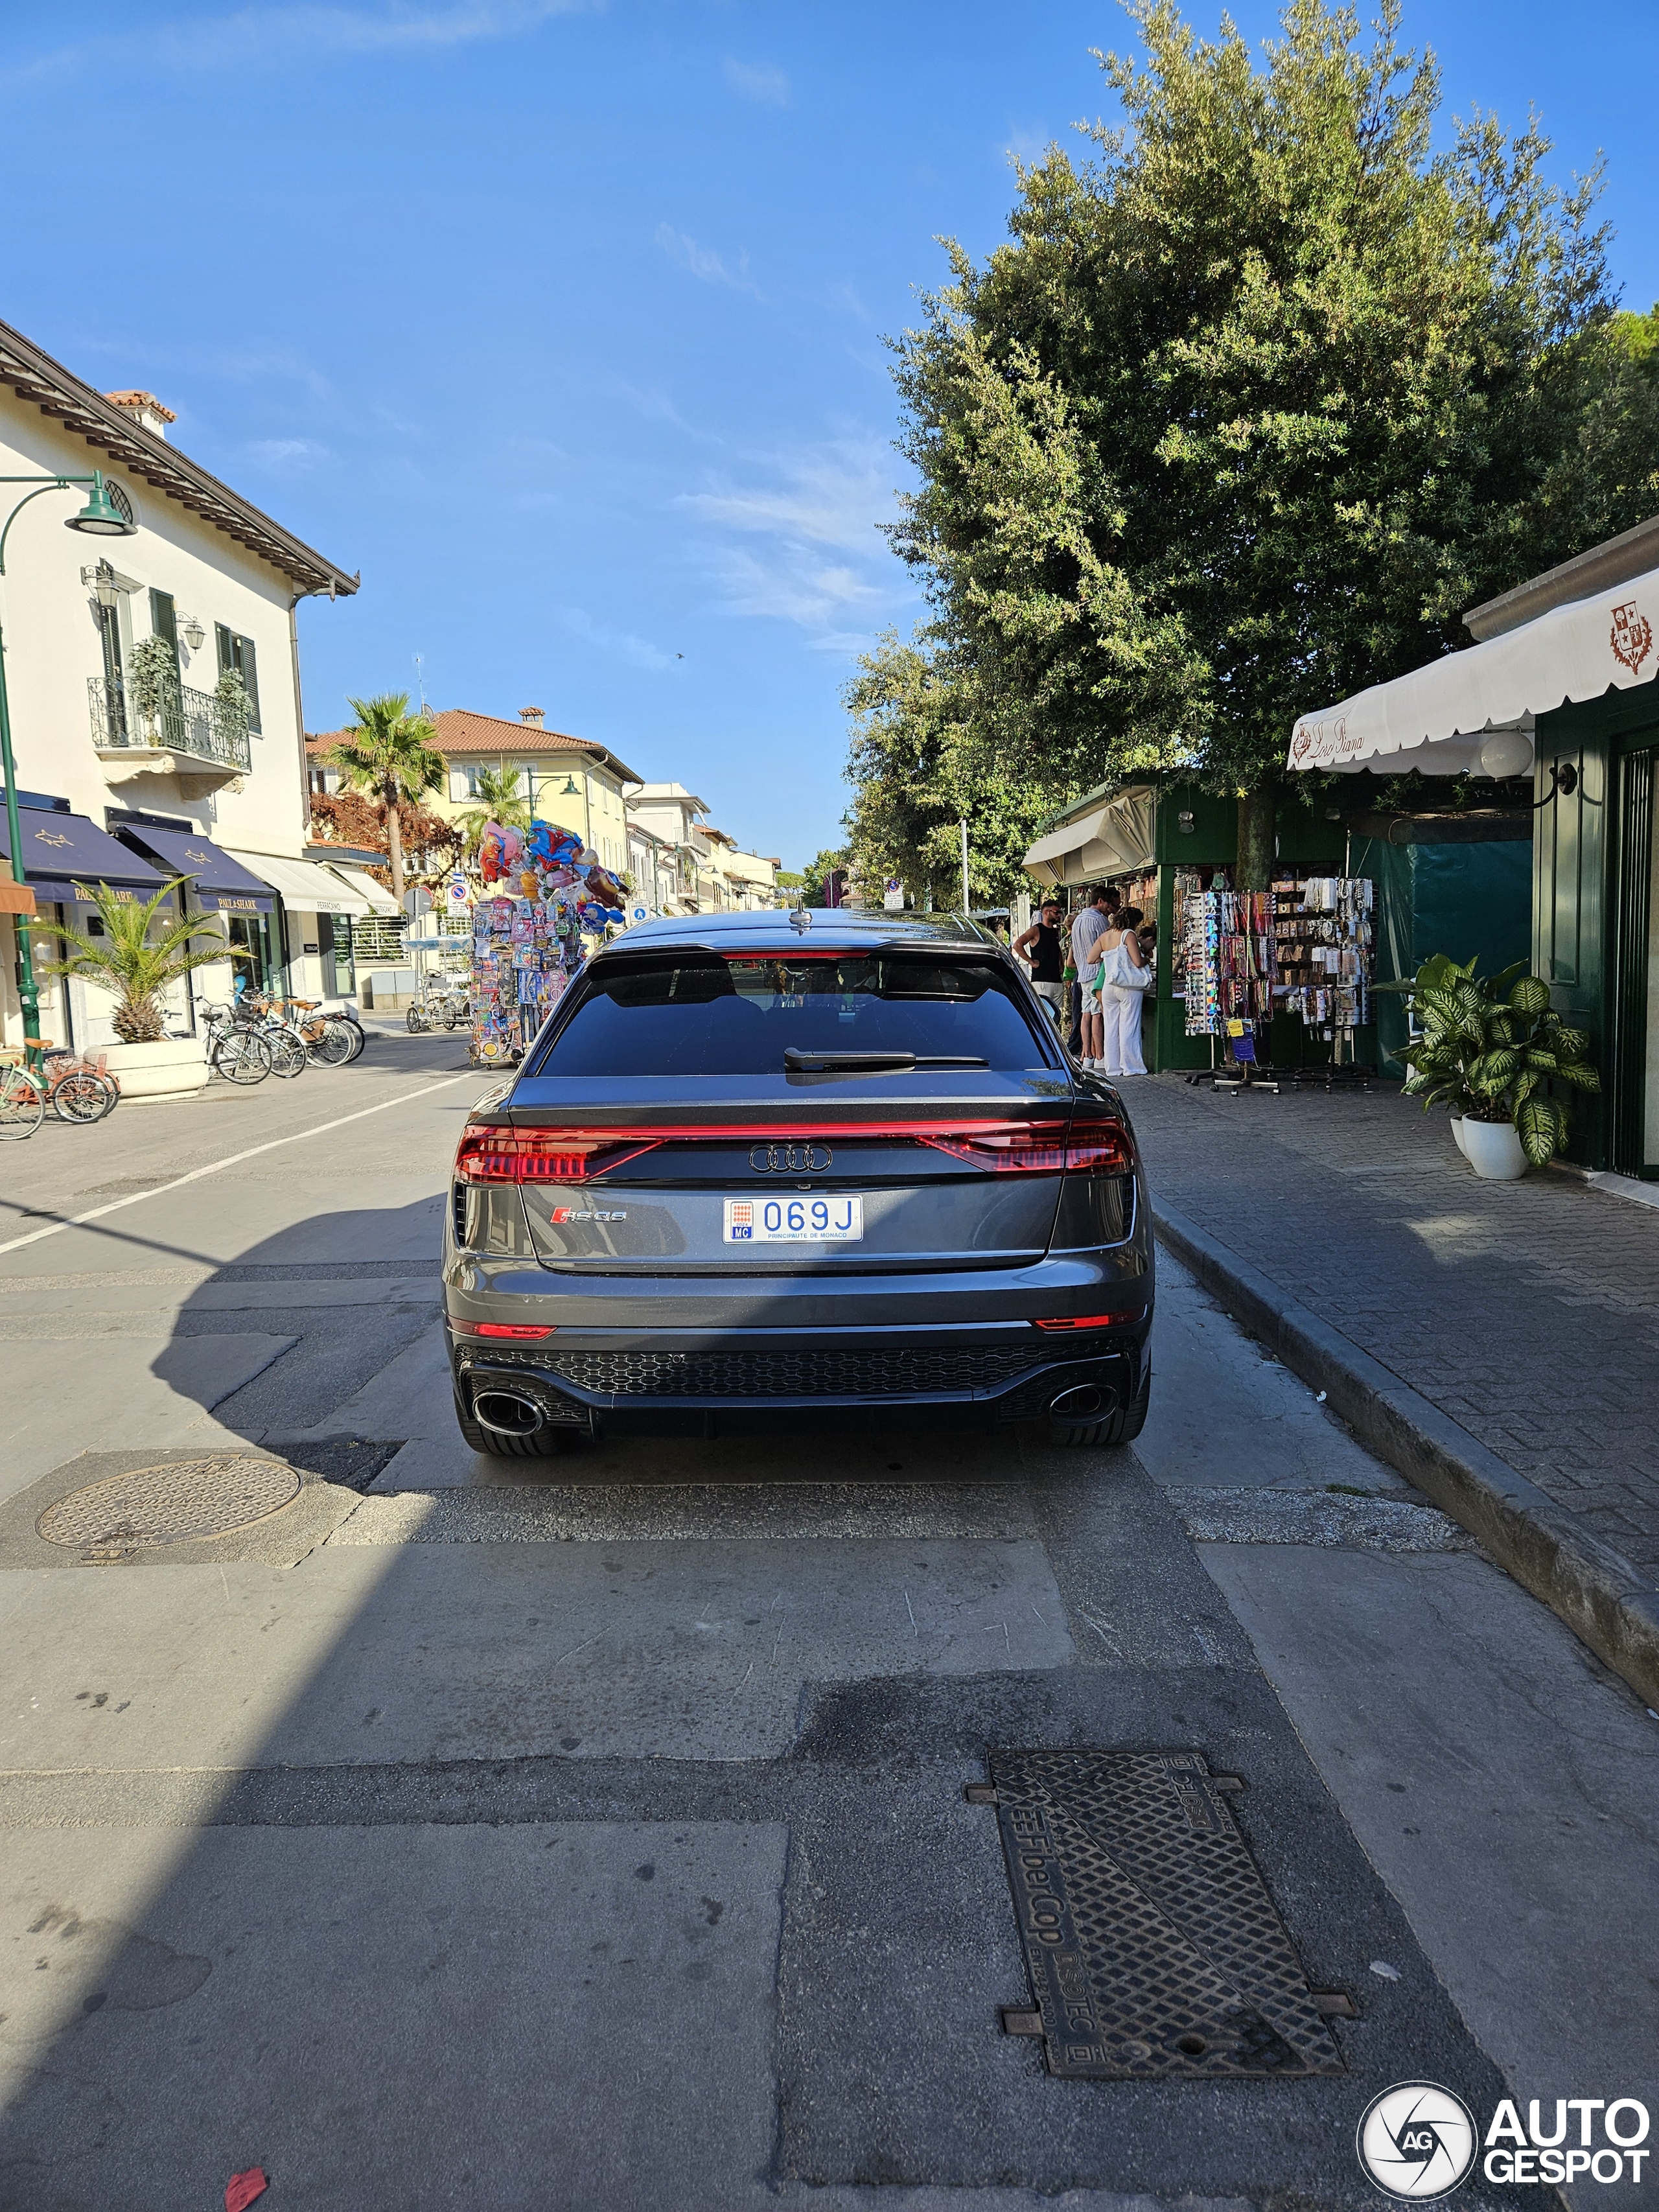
<point>1010,1375</point>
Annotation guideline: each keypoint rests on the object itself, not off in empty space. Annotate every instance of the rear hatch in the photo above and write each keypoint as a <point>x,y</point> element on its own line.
<point>785,1113</point>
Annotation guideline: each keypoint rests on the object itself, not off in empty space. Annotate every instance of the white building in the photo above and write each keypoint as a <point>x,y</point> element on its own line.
<point>135,763</point>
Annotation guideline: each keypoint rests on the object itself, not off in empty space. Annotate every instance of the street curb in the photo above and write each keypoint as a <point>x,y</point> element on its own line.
<point>1549,1551</point>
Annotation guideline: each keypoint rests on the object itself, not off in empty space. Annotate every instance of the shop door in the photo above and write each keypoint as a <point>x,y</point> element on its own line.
<point>252,931</point>
<point>334,946</point>
<point>1631,1072</point>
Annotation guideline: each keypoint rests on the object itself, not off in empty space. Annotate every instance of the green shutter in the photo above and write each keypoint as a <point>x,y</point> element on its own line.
<point>248,668</point>
<point>227,646</point>
<point>163,619</point>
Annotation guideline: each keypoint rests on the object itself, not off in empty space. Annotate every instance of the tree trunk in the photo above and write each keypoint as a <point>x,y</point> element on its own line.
<point>1255,871</point>
<point>395,839</point>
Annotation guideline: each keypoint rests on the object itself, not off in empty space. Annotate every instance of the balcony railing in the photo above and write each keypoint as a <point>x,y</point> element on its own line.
<point>197,725</point>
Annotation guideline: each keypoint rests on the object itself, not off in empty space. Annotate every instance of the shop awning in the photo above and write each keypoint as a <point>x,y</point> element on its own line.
<point>65,857</point>
<point>1444,717</point>
<point>380,898</point>
<point>305,887</point>
<point>1109,839</point>
<point>221,885</point>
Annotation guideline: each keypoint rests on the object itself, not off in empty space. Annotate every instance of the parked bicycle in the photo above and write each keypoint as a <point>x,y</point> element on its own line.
<point>439,1005</point>
<point>77,1091</point>
<point>236,1049</point>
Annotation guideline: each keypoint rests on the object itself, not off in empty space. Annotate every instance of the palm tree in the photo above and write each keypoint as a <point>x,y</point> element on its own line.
<point>126,960</point>
<point>389,751</point>
<point>498,789</point>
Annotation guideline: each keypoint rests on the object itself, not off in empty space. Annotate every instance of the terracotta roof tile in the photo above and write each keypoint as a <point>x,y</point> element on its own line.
<point>461,732</point>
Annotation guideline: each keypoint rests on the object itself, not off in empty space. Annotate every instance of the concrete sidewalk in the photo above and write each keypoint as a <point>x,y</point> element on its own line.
<point>1520,1318</point>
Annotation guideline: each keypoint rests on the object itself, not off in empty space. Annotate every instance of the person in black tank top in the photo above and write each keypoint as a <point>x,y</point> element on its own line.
<point>1042,949</point>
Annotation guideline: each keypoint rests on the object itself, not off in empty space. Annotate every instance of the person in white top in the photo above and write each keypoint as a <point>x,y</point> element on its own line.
<point>1120,1001</point>
<point>1089,928</point>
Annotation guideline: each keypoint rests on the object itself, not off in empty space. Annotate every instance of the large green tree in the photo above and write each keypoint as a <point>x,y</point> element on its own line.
<point>1257,400</point>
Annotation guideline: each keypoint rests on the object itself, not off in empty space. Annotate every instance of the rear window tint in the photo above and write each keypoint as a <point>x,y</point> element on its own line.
<point>706,1014</point>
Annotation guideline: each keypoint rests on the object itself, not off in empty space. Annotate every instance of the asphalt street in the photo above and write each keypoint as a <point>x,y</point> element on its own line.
<point>592,1832</point>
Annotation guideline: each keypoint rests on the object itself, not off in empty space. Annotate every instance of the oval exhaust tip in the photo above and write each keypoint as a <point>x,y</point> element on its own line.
<point>1081,1403</point>
<point>508,1414</point>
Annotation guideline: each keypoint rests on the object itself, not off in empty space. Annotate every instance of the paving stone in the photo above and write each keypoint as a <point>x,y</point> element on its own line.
<point>1528,1311</point>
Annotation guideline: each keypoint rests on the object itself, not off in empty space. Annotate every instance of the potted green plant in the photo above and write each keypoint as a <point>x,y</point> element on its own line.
<point>1498,1059</point>
<point>1449,1056</point>
<point>135,968</point>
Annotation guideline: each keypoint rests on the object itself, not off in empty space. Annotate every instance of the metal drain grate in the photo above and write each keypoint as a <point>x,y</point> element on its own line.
<point>179,1504</point>
<point>1153,1946</point>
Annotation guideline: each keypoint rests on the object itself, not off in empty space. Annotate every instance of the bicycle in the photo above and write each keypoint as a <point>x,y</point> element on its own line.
<point>235,1050</point>
<point>287,1048</point>
<point>327,1037</point>
<point>76,1092</point>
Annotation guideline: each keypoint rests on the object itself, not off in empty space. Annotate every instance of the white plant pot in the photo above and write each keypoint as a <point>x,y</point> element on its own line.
<point>1457,1134</point>
<point>175,1068</point>
<point>1493,1150</point>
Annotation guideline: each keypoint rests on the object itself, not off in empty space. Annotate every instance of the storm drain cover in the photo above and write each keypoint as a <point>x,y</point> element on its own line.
<point>1153,1946</point>
<point>179,1504</point>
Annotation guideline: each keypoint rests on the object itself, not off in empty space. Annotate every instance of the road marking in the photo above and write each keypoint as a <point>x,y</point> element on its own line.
<point>319,1129</point>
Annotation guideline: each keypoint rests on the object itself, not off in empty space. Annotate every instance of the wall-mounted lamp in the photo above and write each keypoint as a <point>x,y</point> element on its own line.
<point>192,633</point>
<point>1186,823</point>
<point>1506,752</point>
<point>101,577</point>
<point>1564,778</point>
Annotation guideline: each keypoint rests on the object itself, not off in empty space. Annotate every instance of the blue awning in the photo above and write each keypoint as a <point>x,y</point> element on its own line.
<point>222,885</point>
<point>65,857</point>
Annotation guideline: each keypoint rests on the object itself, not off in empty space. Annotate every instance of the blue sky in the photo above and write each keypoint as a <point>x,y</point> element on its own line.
<point>564,322</point>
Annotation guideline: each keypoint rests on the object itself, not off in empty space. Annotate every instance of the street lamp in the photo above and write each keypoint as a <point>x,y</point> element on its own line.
<point>99,518</point>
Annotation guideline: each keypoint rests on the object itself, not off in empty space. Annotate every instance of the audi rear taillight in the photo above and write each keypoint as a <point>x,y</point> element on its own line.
<point>1098,1146</point>
<point>1062,1322</point>
<point>496,1155</point>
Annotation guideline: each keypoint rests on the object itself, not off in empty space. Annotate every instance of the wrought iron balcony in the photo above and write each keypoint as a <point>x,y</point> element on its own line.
<point>205,731</point>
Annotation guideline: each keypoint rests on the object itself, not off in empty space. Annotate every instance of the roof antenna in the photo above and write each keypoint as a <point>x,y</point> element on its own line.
<point>420,685</point>
<point>801,918</point>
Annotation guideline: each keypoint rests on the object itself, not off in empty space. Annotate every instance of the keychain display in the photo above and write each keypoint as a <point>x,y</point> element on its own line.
<point>544,897</point>
<point>1326,935</point>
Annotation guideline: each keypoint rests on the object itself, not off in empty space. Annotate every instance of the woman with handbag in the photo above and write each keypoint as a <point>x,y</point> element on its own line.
<point>1125,976</point>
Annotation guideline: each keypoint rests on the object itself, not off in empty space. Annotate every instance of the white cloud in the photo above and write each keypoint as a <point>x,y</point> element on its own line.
<point>759,80</point>
<point>703,262</point>
<point>287,456</point>
<point>260,34</point>
<point>622,643</point>
<point>821,561</point>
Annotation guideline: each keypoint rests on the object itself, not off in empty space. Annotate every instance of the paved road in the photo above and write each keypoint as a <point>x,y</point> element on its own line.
<point>595,1836</point>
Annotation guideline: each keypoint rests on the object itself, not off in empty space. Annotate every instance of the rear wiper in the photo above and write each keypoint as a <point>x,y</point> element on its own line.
<point>870,1063</point>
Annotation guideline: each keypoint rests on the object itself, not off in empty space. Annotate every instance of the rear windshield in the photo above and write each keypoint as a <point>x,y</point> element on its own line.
<point>706,1014</point>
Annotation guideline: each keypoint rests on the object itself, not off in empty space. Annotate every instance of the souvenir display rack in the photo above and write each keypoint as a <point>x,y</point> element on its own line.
<point>1325,933</point>
<point>1228,942</point>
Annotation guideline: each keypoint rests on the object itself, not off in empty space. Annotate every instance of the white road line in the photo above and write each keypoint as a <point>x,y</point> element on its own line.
<point>318,1129</point>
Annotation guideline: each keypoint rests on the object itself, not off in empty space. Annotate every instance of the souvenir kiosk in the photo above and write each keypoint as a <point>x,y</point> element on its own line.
<point>546,901</point>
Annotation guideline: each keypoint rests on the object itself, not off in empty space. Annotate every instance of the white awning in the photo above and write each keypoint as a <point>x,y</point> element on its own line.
<point>1442,718</point>
<point>306,887</point>
<point>1108,841</point>
<point>380,898</point>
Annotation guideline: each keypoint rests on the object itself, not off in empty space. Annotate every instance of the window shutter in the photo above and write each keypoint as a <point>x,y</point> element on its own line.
<point>247,669</point>
<point>163,619</point>
<point>227,645</point>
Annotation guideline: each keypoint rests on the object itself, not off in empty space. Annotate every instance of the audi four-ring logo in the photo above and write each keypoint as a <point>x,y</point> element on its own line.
<point>790,1159</point>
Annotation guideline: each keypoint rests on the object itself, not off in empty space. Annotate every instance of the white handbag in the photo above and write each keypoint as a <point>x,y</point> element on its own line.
<point>1117,967</point>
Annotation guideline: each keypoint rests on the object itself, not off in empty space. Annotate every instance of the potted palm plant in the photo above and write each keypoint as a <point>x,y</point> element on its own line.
<point>135,968</point>
<point>1500,1058</point>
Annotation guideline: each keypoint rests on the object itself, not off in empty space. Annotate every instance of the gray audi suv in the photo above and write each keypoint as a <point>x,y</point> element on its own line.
<point>786,1165</point>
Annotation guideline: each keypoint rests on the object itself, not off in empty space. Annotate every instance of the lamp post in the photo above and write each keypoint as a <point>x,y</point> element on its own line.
<point>99,518</point>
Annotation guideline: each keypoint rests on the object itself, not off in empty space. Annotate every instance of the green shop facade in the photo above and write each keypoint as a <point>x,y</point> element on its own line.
<point>1561,679</point>
<point>1441,879</point>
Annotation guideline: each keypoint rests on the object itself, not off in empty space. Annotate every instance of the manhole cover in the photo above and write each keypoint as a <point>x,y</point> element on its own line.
<point>176,1505</point>
<point>1153,1946</point>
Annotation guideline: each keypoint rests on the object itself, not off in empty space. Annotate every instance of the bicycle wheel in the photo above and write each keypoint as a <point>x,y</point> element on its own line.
<point>80,1097</point>
<point>415,1020</point>
<point>287,1049</point>
<point>21,1106</point>
<point>242,1056</point>
<point>358,1039</point>
<point>333,1043</point>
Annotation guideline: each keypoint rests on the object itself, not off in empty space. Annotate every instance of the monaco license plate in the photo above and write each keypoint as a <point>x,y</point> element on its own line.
<point>832,1220</point>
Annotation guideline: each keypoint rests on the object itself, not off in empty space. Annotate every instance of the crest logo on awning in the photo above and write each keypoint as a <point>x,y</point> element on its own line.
<point>1631,636</point>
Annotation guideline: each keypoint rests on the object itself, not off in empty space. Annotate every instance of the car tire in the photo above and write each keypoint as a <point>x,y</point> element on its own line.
<point>546,1443</point>
<point>1121,1427</point>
